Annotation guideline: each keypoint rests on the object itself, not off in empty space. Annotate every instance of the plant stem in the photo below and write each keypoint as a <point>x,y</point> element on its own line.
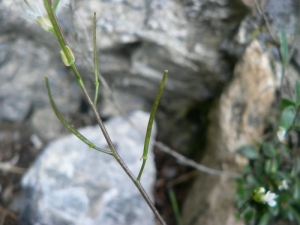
<point>118,157</point>
<point>175,206</point>
<point>150,123</point>
<point>54,7</point>
<point>69,126</point>
<point>115,154</point>
<point>95,60</point>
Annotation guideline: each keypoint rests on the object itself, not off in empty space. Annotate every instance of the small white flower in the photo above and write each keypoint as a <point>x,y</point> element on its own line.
<point>269,198</point>
<point>45,23</point>
<point>33,12</point>
<point>260,195</point>
<point>283,185</point>
<point>281,132</point>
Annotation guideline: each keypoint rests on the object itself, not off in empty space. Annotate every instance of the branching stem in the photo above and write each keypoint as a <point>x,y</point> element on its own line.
<point>115,154</point>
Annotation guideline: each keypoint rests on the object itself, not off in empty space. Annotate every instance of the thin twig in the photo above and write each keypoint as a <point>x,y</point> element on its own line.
<point>262,12</point>
<point>7,167</point>
<point>189,162</point>
<point>183,178</point>
<point>13,215</point>
<point>293,47</point>
<point>95,60</point>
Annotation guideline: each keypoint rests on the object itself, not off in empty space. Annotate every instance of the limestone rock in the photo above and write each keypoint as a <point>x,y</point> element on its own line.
<point>72,184</point>
<point>237,120</point>
<point>24,66</point>
<point>137,41</point>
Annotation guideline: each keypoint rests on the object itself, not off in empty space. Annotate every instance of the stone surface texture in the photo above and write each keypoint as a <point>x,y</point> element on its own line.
<point>237,120</point>
<point>72,184</point>
<point>138,40</point>
<point>205,44</point>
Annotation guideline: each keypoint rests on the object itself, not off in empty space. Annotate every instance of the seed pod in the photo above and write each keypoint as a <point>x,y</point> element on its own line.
<point>65,58</point>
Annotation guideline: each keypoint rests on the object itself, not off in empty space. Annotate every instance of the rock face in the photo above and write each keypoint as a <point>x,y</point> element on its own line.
<point>237,120</point>
<point>72,184</point>
<point>23,65</point>
<point>198,41</point>
<point>138,40</point>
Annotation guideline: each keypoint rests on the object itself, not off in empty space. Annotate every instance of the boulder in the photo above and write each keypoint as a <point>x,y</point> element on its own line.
<point>237,120</point>
<point>69,183</point>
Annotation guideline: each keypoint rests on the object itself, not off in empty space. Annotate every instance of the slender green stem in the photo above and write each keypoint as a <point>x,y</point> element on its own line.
<point>175,206</point>
<point>69,126</point>
<point>29,6</point>
<point>115,154</point>
<point>150,124</point>
<point>60,37</point>
<point>54,6</point>
<point>119,159</point>
<point>95,61</point>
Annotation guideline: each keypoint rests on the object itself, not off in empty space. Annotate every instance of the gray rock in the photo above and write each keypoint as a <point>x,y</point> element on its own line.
<point>73,184</point>
<point>22,83</point>
<point>137,41</point>
<point>46,125</point>
<point>237,120</point>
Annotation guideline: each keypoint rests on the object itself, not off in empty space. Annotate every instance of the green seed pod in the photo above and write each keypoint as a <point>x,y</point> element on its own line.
<point>64,57</point>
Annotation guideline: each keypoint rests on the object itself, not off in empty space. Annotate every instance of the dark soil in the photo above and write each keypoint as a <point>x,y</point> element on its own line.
<point>17,149</point>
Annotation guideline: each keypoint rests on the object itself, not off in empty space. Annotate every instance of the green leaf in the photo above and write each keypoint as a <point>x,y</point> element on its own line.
<point>271,165</point>
<point>296,192</point>
<point>295,214</point>
<point>285,151</point>
<point>284,51</point>
<point>249,151</point>
<point>280,175</point>
<point>297,93</point>
<point>287,117</point>
<point>249,214</point>
<point>296,167</point>
<point>258,168</point>
<point>274,211</point>
<point>241,192</point>
<point>285,103</point>
<point>265,219</point>
<point>269,150</point>
<point>252,181</point>
<point>296,127</point>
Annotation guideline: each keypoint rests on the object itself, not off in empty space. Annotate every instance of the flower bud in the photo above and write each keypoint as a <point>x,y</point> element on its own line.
<point>45,23</point>
<point>65,58</point>
<point>281,132</point>
<point>283,185</point>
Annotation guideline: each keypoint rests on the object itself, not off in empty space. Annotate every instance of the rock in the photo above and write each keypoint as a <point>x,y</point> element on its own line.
<point>140,40</point>
<point>237,120</point>
<point>22,86</point>
<point>46,125</point>
<point>72,184</point>
<point>137,41</point>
